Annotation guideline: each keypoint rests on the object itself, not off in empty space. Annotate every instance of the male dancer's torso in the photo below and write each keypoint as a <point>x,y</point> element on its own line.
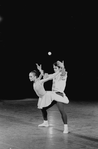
<point>59,83</point>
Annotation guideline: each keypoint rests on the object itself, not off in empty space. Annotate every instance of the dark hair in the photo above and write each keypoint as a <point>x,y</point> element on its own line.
<point>35,72</point>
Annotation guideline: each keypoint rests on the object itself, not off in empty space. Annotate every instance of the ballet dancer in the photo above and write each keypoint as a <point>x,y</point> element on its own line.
<point>59,84</point>
<point>48,98</point>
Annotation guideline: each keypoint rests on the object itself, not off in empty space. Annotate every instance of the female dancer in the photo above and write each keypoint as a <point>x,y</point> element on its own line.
<point>49,98</point>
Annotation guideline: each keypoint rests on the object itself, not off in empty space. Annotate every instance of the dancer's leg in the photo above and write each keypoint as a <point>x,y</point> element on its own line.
<point>61,107</point>
<point>44,114</point>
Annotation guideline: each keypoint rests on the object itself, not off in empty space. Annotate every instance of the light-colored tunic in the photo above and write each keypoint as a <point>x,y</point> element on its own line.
<point>59,83</point>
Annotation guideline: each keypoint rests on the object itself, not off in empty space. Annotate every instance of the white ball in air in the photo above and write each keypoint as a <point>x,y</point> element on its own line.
<point>49,53</point>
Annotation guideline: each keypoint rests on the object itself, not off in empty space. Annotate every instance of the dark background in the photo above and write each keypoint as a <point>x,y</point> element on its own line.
<point>28,31</point>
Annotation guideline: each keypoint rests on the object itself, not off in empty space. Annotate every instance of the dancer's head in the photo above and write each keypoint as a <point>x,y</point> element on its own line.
<point>58,66</point>
<point>33,75</point>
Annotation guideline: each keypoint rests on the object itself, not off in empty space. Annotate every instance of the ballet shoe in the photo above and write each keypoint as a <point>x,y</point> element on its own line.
<point>44,124</point>
<point>65,129</point>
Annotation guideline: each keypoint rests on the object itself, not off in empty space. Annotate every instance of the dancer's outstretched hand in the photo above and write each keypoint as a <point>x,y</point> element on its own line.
<point>39,67</point>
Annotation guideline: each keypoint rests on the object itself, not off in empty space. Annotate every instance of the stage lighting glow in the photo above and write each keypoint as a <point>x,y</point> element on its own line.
<point>49,53</point>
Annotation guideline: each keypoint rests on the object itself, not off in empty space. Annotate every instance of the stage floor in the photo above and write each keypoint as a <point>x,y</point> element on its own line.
<point>19,126</point>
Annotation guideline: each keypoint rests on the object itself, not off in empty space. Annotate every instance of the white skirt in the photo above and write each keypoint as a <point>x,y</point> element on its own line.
<point>47,99</point>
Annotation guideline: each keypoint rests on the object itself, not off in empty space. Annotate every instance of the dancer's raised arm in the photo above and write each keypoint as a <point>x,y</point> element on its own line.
<point>39,67</point>
<point>50,77</point>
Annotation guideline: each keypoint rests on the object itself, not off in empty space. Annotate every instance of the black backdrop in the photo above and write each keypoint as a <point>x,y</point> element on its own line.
<point>28,32</point>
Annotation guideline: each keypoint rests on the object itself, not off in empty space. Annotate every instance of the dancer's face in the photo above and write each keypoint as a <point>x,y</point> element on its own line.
<point>32,76</point>
<point>55,68</point>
